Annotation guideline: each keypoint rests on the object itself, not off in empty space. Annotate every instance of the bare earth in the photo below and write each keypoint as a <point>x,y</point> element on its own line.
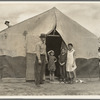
<point>91,87</point>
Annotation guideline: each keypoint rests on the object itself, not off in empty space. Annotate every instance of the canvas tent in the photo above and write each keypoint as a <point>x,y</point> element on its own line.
<point>17,43</point>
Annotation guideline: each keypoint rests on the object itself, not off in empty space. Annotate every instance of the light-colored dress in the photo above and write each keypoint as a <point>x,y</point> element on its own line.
<point>70,65</point>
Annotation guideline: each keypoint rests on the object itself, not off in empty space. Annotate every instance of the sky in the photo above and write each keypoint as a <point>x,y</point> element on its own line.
<point>86,14</point>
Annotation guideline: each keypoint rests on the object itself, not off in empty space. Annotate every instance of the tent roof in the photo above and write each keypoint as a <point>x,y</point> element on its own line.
<point>85,43</point>
<point>56,13</point>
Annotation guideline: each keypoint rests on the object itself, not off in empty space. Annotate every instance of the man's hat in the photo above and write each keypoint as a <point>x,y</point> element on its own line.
<point>43,35</point>
<point>7,22</point>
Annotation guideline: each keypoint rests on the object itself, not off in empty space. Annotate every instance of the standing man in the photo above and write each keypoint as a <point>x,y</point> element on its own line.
<point>41,60</point>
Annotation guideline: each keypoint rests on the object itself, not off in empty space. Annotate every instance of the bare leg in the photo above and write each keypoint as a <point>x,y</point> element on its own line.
<point>50,76</point>
<point>74,73</point>
<point>53,75</point>
<point>69,75</point>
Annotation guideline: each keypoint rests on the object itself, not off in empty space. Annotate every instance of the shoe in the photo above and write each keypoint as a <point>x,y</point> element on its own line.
<point>71,82</point>
<point>60,80</point>
<point>52,80</point>
<point>41,82</point>
<point>64,80</point>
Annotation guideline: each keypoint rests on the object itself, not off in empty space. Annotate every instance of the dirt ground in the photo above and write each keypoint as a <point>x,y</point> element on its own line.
<point>91,87</point>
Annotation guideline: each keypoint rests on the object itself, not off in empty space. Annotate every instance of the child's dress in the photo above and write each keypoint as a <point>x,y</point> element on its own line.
<point>51,63</point>
<point>70,65</point>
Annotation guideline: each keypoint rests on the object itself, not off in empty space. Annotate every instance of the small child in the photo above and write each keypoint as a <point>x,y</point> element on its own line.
<point>71,65</point>
<point>51,64</point>
<point>62,63</point>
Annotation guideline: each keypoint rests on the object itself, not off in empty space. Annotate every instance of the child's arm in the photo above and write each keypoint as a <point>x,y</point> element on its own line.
<point>49,52</point>
<point>55,59</point>
<point>60,62</point>
<point>58,59</point>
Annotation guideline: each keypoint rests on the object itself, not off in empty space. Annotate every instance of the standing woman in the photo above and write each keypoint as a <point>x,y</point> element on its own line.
<point>71,65</point>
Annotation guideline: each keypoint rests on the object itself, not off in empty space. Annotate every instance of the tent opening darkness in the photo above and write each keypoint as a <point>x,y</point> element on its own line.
<point>53,42</point>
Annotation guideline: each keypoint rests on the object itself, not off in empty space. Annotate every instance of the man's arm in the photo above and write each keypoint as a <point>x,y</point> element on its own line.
<point>38,52</point>
<point>60,62</point>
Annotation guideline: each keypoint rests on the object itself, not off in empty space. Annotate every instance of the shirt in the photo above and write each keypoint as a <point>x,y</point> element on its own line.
<point>41,49</point>
<point>63,58</point>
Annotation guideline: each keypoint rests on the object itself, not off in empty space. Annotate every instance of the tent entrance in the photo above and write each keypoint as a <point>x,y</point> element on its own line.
<point>53,42</point>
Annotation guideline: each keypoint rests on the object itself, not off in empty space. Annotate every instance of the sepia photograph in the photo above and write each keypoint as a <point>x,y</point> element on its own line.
<point>49,48</point>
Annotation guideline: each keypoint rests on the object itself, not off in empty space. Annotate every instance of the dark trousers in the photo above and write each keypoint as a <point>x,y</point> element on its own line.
<point>39,70</point>
<point>63,71</point>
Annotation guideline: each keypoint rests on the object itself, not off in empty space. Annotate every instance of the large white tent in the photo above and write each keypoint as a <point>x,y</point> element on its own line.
<point>19,41</point>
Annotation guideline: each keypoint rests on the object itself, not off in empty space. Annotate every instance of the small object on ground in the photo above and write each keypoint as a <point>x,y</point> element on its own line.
<point>76,81</point>
<point>79,81</point>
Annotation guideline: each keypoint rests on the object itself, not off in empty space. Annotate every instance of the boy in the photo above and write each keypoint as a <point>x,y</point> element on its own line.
<point>62,63</point>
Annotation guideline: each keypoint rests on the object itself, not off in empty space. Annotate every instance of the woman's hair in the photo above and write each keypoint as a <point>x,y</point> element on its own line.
<point>70,44</point>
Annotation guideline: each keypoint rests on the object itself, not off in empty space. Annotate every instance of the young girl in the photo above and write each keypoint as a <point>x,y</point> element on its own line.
<point>71,65</point>
<point>51,64</point>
